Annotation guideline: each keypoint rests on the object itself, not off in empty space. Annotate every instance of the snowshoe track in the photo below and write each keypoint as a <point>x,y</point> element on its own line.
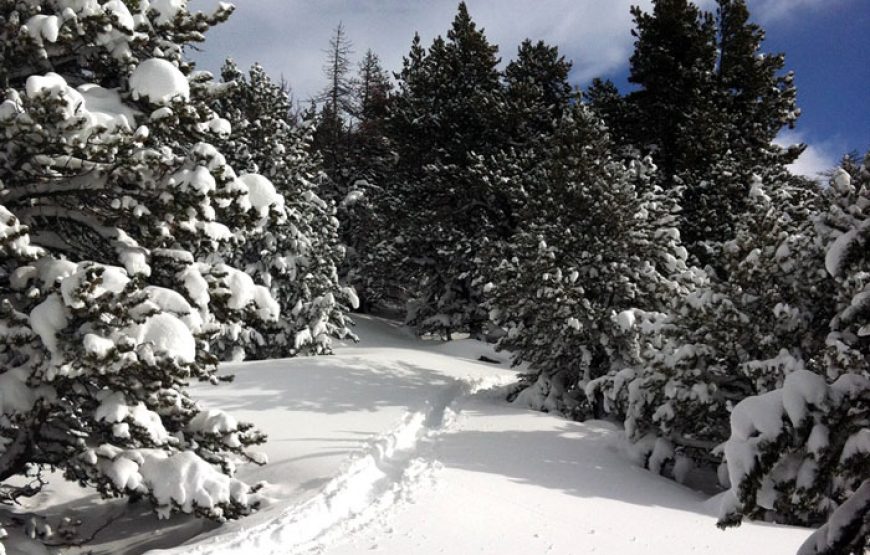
<point>386,473</point>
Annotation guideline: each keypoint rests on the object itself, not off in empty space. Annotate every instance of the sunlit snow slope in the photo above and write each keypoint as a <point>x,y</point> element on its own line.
<point>405,446</point>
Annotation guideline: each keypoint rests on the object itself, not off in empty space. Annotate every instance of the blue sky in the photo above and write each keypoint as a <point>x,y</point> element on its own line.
<point>826,43</point>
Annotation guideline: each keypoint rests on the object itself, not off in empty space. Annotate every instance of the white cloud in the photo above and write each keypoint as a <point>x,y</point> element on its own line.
<point>816,159</point>
<point>288,36</point>
<point>768,11</point>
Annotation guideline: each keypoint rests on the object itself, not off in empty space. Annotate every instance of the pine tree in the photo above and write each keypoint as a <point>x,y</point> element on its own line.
<point>812,469</point>
<point>709,99</point>
<point>727,340</point>
<point>110,287</point>
<point>371,90</point>
<point>604,99</point>
<point>675,115</point>
<point>758,99</point>
<point>538,92</point>
<point>331,137</point>
<point>444,117</point>
<point>295,250</point>
<point>370,160</point>
<point>596,240</point>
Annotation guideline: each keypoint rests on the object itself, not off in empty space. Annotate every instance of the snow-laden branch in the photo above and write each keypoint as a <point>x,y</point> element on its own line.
<point>55,187</point>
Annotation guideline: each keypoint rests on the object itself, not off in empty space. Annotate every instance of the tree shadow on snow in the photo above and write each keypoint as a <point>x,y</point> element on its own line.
<point>585,460</point>
<point>117,527</point>
<point>327,385</point>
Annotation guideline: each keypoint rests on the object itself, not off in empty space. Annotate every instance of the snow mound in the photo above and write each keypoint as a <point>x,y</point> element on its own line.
<point>165,334</point>
<point>262,193</point>
<point>182,480</point>
<point>159,82</point>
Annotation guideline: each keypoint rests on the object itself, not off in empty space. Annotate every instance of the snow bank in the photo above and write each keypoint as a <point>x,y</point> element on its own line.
<point>390,466</point>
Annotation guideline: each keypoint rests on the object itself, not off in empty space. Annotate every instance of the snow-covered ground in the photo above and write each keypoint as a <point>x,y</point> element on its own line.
<point>398,445</point>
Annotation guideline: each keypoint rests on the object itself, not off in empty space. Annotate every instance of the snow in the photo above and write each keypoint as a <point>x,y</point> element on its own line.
<point>842,182</point>
<point>167,300</point>
<point>398,445</point>
<point>244,292</point>
<point>53,269</point>
<point>113,280</point>
<point>15,395</point>
<point>167,9</point>
<point>105,108</point>
<point>187,480</point>
<point>625,320</point>
<point>838,250</point>
<point>195,285</point>
<point>46,319</point>
<point>117,8</point>
<point>199,179</point>
<point>212,422</point>
<point>99,107</point>
<point>857,444</point>
<point>845,515</point>
<point>43,28</point>
<point>165,334</point>
<point>261,193</point>
<point>114,409</point>
<point>802,388</point>
<point>759,419</point>
<point>54,86</point>
<point>181,479</point>
<point>159,82</point>
<point>98,346</point>
<point>352,197</point>
<point>11,227</point>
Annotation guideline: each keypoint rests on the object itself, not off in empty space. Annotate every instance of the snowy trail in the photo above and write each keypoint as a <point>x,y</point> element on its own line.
<point>397,446</point>
<point>392,467</point>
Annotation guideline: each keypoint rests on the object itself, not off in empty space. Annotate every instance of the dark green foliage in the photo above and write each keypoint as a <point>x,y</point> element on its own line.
<point>446,114</point>
<point>709,101</point>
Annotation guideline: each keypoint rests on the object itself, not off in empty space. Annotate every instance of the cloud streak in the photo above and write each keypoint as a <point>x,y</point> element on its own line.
<point>816,159</point>
<point>288,36</point>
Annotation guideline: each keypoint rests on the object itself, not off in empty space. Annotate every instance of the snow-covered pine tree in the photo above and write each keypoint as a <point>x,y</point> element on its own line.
<point>294,250</point>
<point>111,203</point>
<point>801,453</point>
<point>728,339</point>
<point>446,114</point>
<point>597,239</point>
